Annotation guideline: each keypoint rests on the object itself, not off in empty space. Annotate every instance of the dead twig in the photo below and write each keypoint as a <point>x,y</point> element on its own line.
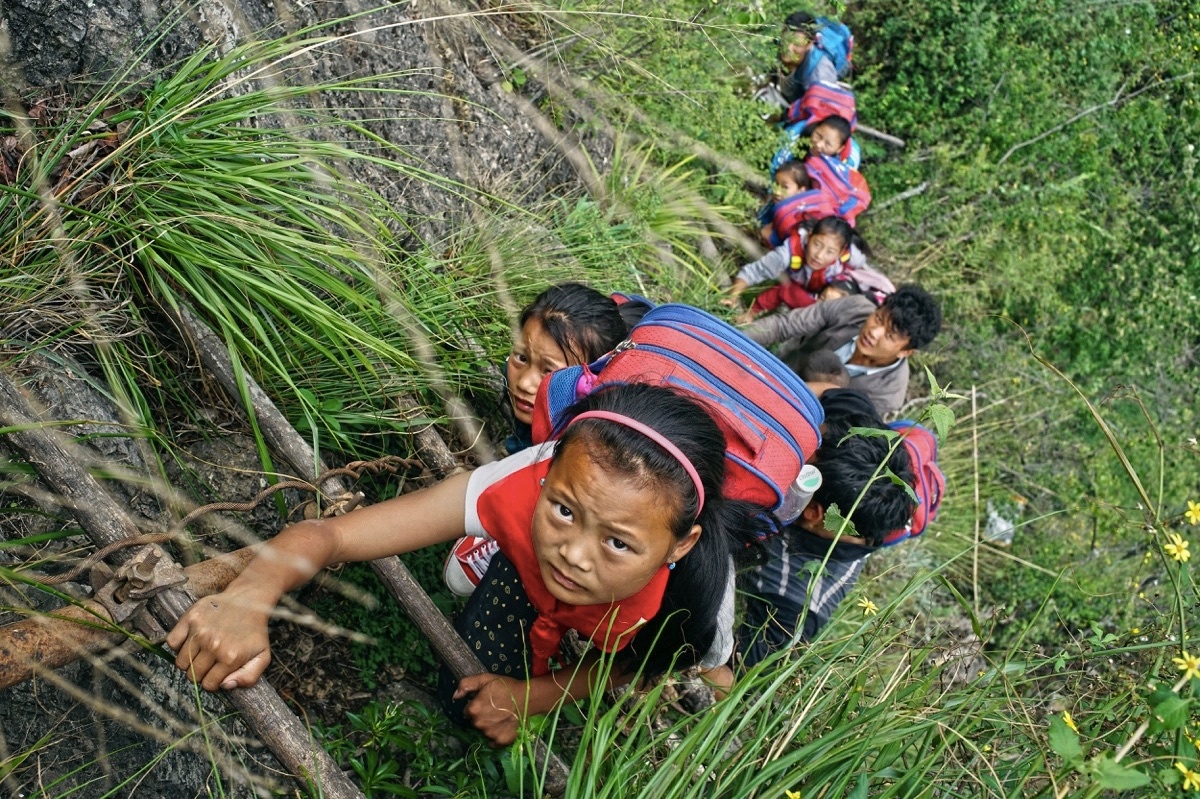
<point>106,522</point>
<point>1118,98</point>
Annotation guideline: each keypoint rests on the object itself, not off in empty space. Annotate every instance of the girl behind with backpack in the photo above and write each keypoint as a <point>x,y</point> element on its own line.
<point>617,530</point>
<point>810,258</point>
<point>566,325</point>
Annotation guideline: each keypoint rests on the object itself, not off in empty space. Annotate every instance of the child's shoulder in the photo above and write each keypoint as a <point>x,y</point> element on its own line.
<point>532,461</point>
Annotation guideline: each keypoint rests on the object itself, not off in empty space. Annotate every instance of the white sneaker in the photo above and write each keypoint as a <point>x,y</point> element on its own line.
<point>468,562</point>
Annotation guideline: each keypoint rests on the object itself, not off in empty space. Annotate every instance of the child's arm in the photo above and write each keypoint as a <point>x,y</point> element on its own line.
<point>734,291</point>
<point>769,267</point>
<point>222,641</point>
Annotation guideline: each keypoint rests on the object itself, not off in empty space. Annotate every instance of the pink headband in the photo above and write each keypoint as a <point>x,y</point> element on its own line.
<point>657,438</point>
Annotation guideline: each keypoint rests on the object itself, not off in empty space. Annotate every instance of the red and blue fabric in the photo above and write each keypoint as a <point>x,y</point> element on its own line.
<point>929,483</point>
<point>770,418</point>
<point>847,187</point>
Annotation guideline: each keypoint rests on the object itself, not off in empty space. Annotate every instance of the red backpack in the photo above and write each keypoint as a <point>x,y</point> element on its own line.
<point>929,483</point>
<point>790,212</point>
<point>846,187</point>
<point>820,102</point>
<point>770,419</point>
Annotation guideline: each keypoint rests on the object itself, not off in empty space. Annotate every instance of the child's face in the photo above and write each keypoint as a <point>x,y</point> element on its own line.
<point>534,355</point>
<point>600,535</point>
<point>879,343</point>
<point>823,250</point>
<point>785,186</point>
<point>793,47</point>
<point>826,140</point>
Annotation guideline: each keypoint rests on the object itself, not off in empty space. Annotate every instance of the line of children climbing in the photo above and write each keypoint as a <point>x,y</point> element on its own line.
<point>621,524</point>
<point>817,197</point>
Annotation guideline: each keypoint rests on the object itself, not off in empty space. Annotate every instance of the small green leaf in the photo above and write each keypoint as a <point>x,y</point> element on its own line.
<point>897,480</point>
<point>934,389</point>
<point>811,567</point>
<point>837,523</point>
<point>942,418</point>
<point>1170,714</point>
<point>1113,776</point>
<point>870,432</point>
<point>860,789</point>
<point>1065,742</point>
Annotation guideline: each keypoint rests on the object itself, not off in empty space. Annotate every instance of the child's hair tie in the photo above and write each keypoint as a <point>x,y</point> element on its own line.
<point>658,438</point>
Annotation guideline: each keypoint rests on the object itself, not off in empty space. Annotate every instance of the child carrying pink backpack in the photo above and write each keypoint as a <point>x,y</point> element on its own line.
<point>805,264</point>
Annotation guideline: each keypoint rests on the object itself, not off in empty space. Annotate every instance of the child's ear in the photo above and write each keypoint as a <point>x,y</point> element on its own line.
<point>685,544</point>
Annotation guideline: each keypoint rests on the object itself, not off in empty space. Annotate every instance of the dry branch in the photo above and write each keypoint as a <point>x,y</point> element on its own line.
<point>400,583</point>
<point>106,522</point>
<point>873,133</point>
<point>1117,98</point>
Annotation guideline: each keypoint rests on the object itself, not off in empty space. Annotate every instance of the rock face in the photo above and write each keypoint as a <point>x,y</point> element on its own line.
<point>453,118</point>
<point>115,719</point>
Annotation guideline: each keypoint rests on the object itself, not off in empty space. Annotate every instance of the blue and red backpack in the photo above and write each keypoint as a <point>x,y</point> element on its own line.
<point>821,101</point>
<point>832,40</point>
<point>771,420</point>
<point>846,187</point>
<point>787,214</point>
<point>929,483</point>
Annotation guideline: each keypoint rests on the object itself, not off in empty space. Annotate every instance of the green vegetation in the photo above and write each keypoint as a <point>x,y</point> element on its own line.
<point>1057,221</point>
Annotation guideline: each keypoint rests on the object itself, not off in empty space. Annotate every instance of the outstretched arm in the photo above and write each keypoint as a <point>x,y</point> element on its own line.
<point>222,641</point>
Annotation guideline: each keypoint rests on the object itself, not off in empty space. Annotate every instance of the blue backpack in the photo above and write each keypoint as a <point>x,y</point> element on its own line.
<point>832,40</point>
<point>770,419</point>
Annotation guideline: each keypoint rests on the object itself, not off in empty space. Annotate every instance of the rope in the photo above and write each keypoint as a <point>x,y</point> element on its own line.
<point>389,464</point>
<point>99,555</point>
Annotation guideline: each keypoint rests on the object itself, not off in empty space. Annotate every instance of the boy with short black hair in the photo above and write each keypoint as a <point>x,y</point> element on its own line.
<point>785,601</point>
<point>873,342</point>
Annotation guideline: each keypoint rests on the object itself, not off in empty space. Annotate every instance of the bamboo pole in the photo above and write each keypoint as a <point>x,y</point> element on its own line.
<point>283,438</point>
<point>107,522</point>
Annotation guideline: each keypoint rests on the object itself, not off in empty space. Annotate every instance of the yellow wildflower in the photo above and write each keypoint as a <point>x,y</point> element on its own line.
<point>1177,548</point>
<point>869,608</point>
<point>1191,779</point>
<point>793,795</point>
<point>1193,512</point>
<point>1070,722</point>
<point>1188,664</point>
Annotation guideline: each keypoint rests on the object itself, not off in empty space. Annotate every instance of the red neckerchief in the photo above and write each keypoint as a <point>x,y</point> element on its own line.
<point>817,281</point>
<point>505,510</point>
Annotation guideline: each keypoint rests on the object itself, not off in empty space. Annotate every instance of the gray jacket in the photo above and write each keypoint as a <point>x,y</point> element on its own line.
<point>827,326</point>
